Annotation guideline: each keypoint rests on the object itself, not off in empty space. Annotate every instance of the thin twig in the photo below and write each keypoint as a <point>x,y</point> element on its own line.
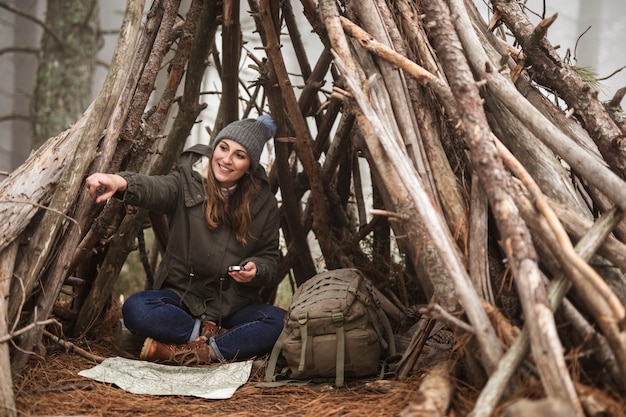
<point>25,329</point>
<point>45,208</point>
<point>20,281</point>
<point>63,388</point>
<point>387,213</point>
<point>73,348</point>
<point>612,74</point>
<point>441,313</point>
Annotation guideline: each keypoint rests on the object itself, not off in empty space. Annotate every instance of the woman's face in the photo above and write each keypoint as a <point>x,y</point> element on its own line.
<point>230,162</point>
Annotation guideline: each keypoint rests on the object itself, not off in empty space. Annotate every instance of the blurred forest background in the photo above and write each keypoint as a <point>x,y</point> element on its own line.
<point>592,33</point>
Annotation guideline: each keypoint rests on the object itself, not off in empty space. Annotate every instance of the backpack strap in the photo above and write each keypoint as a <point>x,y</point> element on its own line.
<point>391,348</point>
<point>271,363</point>
<point>387,325</point>
<point>389,365</point>
<point>303,318</point>
<point>340,357</point>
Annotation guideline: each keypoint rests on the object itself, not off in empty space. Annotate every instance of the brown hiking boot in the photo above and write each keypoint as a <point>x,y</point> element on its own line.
<point>194,353</point>
<point>210,329</point>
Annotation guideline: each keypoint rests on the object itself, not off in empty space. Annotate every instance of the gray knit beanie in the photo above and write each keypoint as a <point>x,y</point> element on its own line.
<point>251,134</point>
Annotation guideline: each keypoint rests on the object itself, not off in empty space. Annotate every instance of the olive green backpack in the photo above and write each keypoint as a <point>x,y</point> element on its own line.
<point>335,329</point>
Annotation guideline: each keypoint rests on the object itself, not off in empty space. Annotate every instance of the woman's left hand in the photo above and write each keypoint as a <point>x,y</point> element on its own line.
<point>245,275</point>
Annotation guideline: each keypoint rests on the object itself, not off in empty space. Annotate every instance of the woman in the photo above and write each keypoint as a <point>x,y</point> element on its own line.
<point>221,213</point>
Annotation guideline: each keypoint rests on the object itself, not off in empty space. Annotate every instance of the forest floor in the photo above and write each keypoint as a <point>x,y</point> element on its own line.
<point>51,386</point>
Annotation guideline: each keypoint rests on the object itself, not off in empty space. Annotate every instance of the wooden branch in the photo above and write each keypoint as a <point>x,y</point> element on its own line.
<point>381,92</point>
<point>515,236</point>
<point>231,47</point>
<point>375,47</point>
<point>591,299</point>
<point>435,311</point>
<point>541,30</point>
<point>387,213</point>
<point>617,97</point>
<point>372,45</point>
<point>314,80</point>
<point>377,19</point>
<point>578,226</point>
<point>570,257</point>
<point>321,215</point>
<point>432,221</point>
<point>34,181</point>
<point>599,298</point>
<point>7,263</point>
<point>434,396</point>
<point>157,119</point>
<point>299,256</point>
<point>478,241</point>
<point>73,348</point>
<point>27,329</point>
<point>582,161</point>
<point>146,64</point>
<point>71,181</point>
<point>427,109</point>
<point>122,128</point>
<point>413,351</point>
<point>123,241</point>
<point>499,380</point>
<point>552,72</point>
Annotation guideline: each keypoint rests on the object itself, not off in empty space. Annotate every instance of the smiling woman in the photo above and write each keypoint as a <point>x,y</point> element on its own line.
<point>222,212</point>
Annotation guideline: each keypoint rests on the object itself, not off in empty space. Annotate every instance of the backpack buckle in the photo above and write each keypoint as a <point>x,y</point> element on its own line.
<point>302,318</point>
<point>338,318</point>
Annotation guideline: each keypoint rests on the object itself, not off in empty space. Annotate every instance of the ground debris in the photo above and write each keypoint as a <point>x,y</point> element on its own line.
<point>52,386</point>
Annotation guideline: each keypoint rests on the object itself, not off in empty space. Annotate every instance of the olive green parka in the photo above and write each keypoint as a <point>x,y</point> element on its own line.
<point>196,259</point>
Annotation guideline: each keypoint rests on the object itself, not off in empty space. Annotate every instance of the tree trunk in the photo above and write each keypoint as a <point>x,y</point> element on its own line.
<point>7,402</point>
<point>67,62</point>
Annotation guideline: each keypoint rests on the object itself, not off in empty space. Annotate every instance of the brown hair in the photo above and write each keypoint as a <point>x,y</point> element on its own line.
<point>232,210</point>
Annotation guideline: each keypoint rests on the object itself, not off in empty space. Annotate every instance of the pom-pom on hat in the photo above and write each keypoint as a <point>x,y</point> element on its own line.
<point>251,134</point>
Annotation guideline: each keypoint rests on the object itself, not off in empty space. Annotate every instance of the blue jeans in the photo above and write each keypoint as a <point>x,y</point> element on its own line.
<point>252,330</point>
